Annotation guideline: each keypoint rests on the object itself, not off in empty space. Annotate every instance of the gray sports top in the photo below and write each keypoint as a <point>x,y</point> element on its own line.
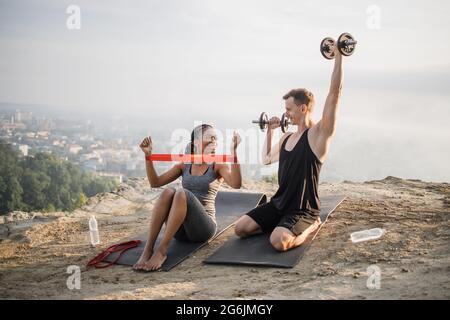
<point>204,187</point>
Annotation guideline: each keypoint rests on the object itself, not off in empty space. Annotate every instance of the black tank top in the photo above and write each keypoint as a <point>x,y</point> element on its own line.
<point>298,179</point>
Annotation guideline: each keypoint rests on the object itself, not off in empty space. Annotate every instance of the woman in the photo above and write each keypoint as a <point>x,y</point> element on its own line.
<point>189,212</point>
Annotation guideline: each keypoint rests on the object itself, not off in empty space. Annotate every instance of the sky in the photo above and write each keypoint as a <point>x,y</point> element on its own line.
<point>171,63</point>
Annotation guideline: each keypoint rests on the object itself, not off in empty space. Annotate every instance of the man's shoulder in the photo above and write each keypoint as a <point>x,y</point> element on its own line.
<point>316,135</point>
<point>285,135</point>
<point>317,130</point>
<point>314,130</point>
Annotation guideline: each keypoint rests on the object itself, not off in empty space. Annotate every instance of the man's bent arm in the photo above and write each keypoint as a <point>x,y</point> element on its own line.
<point>267,147</point>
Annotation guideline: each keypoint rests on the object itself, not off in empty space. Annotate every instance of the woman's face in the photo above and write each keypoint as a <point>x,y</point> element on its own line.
<point>208,142</point>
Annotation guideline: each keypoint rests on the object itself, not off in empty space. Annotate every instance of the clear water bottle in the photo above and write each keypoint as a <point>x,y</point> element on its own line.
<point>366,235</point>
<point>93,231</point>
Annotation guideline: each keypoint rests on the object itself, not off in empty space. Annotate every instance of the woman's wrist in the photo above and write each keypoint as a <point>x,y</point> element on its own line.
<point>234,156</point>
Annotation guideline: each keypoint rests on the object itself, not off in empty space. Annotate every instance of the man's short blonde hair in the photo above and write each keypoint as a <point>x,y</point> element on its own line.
<point>301,96</point>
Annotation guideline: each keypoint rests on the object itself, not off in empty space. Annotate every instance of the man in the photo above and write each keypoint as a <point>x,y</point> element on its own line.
<point>293,212</point>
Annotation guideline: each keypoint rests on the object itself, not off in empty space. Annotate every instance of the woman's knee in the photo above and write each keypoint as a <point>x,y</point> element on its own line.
<point>180,195</point>
<point>179,199</point>
<point>165,198</point>
<point>167,194</point>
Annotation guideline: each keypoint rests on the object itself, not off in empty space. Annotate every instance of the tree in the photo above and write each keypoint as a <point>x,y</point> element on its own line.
<point>34,184</point>
<point>44,182</point>
<point>82,199</point>
<point>10,171</point>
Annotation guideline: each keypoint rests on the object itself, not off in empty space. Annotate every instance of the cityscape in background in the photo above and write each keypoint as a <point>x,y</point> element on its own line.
<point>107,142</point>
<point>105,147</point>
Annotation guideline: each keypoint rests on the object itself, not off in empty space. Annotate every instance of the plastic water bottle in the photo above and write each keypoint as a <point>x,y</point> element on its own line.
<point>93,231</point>
<point>366,235</point>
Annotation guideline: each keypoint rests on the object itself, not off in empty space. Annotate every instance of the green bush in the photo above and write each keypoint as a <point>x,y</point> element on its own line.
<point>44,182</point>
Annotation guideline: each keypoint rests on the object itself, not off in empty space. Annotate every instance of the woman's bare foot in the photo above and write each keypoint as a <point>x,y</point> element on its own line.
<point>142,260</point>
<point>155,262</point>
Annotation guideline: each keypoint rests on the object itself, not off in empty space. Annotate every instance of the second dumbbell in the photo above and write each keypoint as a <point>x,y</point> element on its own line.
<point>263,122</point>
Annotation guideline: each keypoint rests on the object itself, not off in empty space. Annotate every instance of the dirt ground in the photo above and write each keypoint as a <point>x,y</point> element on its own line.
<point>412,256</point>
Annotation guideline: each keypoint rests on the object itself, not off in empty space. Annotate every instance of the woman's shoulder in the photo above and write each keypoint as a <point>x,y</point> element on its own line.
<point>217,167</point>
<point>180,166</point>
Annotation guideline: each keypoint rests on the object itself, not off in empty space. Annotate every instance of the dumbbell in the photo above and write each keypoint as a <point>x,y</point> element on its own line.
<point>346,46</point>
<point>263,122</point>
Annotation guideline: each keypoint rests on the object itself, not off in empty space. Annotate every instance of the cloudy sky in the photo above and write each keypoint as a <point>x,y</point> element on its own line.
<point>173,62</point>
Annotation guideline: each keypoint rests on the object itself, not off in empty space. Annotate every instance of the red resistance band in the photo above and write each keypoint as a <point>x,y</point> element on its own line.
<point>121,247</point>
<point>196,158</point>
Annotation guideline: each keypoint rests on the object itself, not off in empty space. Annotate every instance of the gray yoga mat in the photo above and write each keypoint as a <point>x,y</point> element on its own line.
<point>257,250</point>
<point>229,207</point>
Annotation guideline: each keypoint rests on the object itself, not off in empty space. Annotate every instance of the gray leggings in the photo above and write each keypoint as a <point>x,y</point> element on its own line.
<point>198,226</point>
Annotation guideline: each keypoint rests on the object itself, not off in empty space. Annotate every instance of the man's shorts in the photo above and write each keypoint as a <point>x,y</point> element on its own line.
<point>268,218</point>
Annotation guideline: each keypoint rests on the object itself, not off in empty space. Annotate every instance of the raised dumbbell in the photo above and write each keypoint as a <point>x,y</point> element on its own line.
<point>346,46</point>
<point>263,122</point>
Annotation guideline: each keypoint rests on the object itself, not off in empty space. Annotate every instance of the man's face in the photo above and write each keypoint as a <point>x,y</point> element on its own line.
<point>293,112</point>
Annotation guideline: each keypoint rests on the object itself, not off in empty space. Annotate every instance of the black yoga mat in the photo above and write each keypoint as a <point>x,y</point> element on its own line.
<point>257,250</point>
<point>229,207</point>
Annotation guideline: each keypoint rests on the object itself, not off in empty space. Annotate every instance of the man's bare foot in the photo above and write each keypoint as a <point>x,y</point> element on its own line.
<point>155,262</point>
<point>142,260</point>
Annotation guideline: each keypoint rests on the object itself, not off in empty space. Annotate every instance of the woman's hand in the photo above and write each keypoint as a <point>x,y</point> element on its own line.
<point>147,145</point>
<point>235,142</point>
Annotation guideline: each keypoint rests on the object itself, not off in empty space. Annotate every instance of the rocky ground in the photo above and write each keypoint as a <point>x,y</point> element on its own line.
<point>412,256</point>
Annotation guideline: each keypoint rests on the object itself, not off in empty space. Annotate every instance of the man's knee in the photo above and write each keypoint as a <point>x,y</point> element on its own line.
<point>242,228</point>
<point>239,230</point>
<point>281,241</point>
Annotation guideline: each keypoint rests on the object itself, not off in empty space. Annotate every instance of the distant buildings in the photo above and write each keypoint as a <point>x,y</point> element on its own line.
<point>97,152</point>
<point>75,148</point>
<point>22,148</point>
<point>12,125</point>
<point>93,164</point>
<point>24,117</point>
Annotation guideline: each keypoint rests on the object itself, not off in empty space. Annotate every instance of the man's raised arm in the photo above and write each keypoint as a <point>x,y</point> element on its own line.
<point>328,122</point>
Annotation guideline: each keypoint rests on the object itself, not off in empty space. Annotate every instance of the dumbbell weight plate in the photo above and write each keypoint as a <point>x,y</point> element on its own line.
<point>263,121</point>
<point>283,123</point>
<point>327,48</point>
<point>346,50</point>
